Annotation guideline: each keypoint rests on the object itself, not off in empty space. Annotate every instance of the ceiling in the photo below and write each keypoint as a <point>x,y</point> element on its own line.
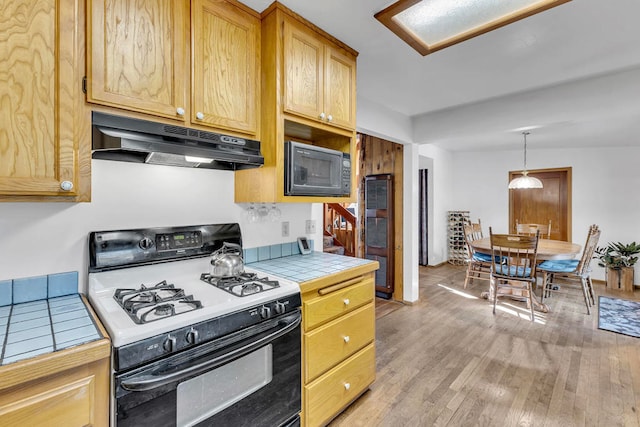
<point>572,73</point>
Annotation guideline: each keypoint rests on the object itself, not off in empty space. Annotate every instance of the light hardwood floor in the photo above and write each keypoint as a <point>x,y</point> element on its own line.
<point>448,361</point>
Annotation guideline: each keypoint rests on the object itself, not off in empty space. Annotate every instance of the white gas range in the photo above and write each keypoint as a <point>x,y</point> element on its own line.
<point>176,331</point>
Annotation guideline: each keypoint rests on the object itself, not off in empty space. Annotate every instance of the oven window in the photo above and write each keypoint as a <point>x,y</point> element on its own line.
<point>203,396</point>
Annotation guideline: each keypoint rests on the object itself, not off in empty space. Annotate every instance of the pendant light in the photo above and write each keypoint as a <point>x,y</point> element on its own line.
<point>525,181</point>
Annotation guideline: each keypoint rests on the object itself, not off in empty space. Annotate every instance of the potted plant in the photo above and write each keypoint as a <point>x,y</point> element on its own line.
<point>618,258</point>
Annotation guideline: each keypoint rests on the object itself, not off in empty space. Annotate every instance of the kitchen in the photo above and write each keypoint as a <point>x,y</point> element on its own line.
<point>44,238</point>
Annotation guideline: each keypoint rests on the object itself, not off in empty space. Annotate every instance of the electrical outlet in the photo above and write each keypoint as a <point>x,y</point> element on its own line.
<point>285,228</point>
<point>310,226</point>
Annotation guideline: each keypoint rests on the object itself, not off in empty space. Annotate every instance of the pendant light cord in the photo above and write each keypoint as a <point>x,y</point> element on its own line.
<point>525,151</point>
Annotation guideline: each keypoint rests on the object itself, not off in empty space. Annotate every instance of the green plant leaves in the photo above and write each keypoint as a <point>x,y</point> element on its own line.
<point>617,254</point>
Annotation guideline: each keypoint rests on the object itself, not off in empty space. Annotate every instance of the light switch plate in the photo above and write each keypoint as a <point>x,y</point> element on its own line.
<point>310,226</point>
<point>285,228</point>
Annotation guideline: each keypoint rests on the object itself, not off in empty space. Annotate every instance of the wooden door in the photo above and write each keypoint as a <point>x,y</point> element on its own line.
<point>538,206</point>
<point>378,230</point>
<point>303,72</point>
<point>226,66</point>
<point>340,89</point>
<point>42,118</point>
<point>137,55</point>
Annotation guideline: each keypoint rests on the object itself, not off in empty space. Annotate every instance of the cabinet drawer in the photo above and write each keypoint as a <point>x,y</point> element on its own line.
<point>67,404</point>
<point>324,308</point>
<point>338,387</point>
<point>330,344</point>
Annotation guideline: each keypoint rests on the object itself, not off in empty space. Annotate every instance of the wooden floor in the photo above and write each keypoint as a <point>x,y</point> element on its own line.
<point>448,361</point>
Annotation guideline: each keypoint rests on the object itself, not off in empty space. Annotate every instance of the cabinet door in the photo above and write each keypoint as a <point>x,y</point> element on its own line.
<point>38,83</point>
<point>136,55</point>
<point>226,66</point>
<point>303,72</point>
<point>340,89</point>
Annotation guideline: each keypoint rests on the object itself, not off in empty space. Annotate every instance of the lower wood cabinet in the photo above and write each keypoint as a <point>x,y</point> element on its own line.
<point>69,387</point>
<point>338,344</point>
<point>75,397</point>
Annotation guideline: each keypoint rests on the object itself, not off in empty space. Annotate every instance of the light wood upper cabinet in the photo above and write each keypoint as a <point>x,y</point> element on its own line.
<point>42,150</point>
<point>136,56</point>
<point>307,95</point>
<point>226,66</point>
<point>319,79</point>
<point>196,62</point>
<point>340,88</point>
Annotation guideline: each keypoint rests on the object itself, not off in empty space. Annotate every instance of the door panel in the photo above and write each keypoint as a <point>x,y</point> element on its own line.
<point>552,202</point>
<point>378,228</point>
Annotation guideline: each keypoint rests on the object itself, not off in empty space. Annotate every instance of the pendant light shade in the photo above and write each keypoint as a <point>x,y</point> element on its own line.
<point>525,181</point>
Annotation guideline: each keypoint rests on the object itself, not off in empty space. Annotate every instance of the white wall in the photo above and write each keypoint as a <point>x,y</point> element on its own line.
<point>45,238</point>
<point>604,189</point>
<point>376,120</point>
<point>442,200</point>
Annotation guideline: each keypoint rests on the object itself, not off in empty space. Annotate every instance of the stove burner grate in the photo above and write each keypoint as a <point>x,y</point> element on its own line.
<point>242,285</point>
<point>146,304</point>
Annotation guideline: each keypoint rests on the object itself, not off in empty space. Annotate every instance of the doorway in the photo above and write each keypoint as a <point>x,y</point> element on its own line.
<point>423,217</point>
<point>539,205</point>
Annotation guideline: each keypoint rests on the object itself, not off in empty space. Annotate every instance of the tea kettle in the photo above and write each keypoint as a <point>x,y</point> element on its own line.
<point>227,261</point>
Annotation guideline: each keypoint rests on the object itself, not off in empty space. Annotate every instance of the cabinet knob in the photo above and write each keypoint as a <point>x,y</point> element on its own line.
<point>199,115</point>
<point>346,301</point>
<point>66,185</point>
<point>322,116</point>
<point>329,118</point>
<point>347,386</point>
<point>180,111</point>
<point>346,338</point>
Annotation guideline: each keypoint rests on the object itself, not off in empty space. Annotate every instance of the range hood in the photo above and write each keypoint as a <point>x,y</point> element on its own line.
<point>141,141</point>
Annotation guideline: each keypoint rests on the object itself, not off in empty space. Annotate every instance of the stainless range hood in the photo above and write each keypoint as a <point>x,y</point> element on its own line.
<point>141,141</point>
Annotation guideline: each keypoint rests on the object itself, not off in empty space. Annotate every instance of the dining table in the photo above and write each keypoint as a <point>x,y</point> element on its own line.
<point>548,249</point>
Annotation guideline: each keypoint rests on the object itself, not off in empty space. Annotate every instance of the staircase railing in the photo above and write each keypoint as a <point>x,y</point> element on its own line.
<point>340,224</point>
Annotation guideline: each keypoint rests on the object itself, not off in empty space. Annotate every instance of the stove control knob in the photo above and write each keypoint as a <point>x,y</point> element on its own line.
<point>170,343</point>
<point>265,312</point>
<point>146,243</point>
<point>192,336</point>
<point>280,308</point>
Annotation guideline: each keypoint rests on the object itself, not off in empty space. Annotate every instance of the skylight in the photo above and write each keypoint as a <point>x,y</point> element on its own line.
<point>431,25</point>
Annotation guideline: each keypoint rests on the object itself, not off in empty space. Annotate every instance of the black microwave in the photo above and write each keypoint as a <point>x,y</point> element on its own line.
<point>316,171</point>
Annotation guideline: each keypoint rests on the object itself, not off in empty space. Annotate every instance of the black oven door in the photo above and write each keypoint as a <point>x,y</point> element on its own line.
<point>248,378</point>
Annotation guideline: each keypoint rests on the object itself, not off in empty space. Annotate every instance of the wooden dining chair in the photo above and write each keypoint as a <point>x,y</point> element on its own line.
<point>561,275</point>
<point>478,264</point>
<point>513,266</point>
<point>532,229</point>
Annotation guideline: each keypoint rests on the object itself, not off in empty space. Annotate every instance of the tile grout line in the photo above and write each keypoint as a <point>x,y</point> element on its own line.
<point>6,336</point>
<point>53,335</point>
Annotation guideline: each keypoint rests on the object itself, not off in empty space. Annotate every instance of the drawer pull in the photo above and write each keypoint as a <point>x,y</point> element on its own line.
<point>346,338</point>
<point>347,386</point>
<point>346,301</point>
<point>340,285</point>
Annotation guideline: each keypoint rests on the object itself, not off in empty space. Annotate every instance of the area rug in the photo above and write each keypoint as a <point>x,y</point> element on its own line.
<point>619,315</point>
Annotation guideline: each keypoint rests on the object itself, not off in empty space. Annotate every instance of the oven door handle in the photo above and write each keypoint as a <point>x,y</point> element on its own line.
<point>145,382</point>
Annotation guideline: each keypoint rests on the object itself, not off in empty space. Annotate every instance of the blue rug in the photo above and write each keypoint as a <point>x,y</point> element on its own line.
<point>619,315</point>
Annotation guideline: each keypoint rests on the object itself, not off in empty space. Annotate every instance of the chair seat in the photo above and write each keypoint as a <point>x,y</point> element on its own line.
<point>561,266</point>
<point>481,257</point>
<point>513,271</point>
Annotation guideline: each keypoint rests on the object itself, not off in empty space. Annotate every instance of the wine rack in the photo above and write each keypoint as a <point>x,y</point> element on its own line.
<point>457,245</point>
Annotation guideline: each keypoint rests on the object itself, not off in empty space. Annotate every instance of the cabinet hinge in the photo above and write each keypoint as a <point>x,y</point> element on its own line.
<point>84,84</point>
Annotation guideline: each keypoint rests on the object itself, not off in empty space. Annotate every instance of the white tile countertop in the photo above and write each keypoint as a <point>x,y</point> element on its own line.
<point>301,268</point>
<point>33,328</point>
